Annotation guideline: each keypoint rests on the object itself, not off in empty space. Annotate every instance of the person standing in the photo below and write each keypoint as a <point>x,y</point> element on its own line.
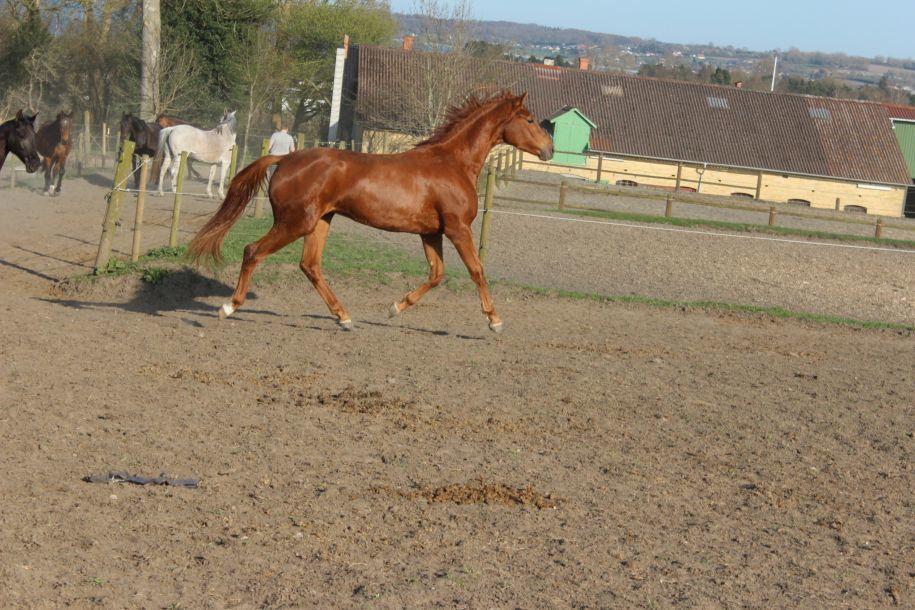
<point>281,143</point>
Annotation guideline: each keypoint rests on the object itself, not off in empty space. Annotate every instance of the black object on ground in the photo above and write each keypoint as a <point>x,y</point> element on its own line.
<point>123,477</point>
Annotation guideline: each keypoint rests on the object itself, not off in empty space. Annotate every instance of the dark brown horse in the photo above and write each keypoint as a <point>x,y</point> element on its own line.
<point>17,136</point>
<point>429,190</point>
<point>53,142</point>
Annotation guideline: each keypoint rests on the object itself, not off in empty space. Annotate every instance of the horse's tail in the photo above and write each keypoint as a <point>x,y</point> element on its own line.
<point>208,241</point>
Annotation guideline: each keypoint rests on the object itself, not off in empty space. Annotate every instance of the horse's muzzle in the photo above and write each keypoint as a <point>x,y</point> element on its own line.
<point>546,153</point>
<point>32,164</point>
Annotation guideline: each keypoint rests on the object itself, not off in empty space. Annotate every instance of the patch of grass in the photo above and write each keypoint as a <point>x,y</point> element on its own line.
<point>774,312</point>
<point>736,226</point>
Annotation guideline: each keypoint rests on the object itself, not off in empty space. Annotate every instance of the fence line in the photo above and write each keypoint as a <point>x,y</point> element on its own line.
<point>700,232</point>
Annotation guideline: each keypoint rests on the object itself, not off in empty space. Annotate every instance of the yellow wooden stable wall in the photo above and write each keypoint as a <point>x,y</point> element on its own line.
<point>884,200</point>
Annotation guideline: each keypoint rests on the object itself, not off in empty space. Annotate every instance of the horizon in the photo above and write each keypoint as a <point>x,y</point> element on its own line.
<point>812,26</point>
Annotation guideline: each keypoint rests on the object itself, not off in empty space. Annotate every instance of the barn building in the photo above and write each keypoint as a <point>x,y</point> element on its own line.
<point>903,118</point>
<point>811,151</point>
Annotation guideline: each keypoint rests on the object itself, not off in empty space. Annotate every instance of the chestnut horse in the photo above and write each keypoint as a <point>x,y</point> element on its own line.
<point>53,142</point>
<point>17,136</point>
<point>429,190</point>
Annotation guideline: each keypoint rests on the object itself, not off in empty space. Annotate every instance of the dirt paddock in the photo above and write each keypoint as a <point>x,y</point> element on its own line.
<point>594,455</point>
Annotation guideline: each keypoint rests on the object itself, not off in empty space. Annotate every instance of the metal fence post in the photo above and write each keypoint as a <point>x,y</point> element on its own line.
<point>104,143</point>
<point>176,210</point>
<point>138,217</point>
<point>113,210</point>
<point>487,212</point>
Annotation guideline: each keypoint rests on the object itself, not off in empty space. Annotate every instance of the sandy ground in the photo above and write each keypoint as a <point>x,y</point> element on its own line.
<point>594,455</point>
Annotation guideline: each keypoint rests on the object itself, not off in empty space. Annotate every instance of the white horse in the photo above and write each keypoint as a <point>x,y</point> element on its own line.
<point>212,146</point>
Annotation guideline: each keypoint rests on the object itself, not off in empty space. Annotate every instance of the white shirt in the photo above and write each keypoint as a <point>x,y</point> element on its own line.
<point>281,144</point>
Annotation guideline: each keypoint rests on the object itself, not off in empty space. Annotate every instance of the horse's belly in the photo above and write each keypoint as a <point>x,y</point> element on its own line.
<point>403,219</point>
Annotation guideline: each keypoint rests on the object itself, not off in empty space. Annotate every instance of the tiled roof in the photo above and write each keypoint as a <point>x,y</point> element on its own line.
<point>906,113</point>
<point>660,118</point>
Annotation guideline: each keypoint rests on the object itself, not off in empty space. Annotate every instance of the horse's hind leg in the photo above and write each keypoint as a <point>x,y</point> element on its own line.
<point>311,267</point>
<point>277,237</point>
<point>432,245</point>
<point>210,181</point>
<point>166,161</point>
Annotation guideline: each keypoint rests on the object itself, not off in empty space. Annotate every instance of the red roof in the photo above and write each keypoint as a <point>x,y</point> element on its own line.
<point>906,113</point>
<point>652,117</point>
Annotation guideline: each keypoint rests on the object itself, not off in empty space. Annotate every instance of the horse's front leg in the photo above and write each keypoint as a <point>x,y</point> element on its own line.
<point>48,165</point>
<point>61,170</point>
<point>210,182</point>
<point>462,238</point>
<point>223,170</point>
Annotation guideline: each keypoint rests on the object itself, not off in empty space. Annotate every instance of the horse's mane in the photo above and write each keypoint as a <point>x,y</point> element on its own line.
<point>458,113</point>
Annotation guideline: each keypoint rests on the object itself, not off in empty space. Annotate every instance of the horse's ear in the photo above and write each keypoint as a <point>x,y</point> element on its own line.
<point>19,115</point>
<point>32,118</point>
<point>522,99</point>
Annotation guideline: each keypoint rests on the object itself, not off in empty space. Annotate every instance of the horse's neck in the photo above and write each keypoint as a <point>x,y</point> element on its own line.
<point>476,138</point>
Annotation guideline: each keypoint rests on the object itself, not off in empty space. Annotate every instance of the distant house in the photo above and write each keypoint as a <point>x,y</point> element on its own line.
<point>822,152</point>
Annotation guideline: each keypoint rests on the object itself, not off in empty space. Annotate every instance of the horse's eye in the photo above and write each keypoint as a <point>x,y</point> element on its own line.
<point>531,120</point>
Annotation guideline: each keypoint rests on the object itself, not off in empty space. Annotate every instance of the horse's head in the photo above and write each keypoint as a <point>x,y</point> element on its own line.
<point>65,120</point>
<point>229,121</point>
<point>522,131</point>
<point>22,141</point>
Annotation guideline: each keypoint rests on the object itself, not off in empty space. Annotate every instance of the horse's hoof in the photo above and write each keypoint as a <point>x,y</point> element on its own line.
<point>226,310</point>
<point>496,328</point>
<point>393,312</point>
<point>346,324</point>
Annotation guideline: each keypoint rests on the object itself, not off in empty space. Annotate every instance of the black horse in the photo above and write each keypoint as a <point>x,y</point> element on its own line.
<point>18,137</point>
<point>145,137</point>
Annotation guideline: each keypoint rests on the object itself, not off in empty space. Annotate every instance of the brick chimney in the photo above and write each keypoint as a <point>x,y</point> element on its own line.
<point>584,63</point>
<point>739,84</point>
<point>408,42</point>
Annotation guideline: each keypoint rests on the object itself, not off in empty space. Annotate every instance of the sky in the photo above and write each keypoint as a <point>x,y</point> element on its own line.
<point>868,28</point>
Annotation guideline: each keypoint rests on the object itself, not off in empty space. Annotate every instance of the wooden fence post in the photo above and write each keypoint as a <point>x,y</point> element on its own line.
<point>679,176</point>
<point>520,160</point>
<point>878,228</point>
<point>514,162</point>
<point>113,210</point>
<point>600,167</point>
<point>563,189</point>
<point>838,203</point>
<point>487,211</point>
<point>233,162</point>
<point>138,217</point>
<point>758,186</point>
<point>259,197</point>
<point>772,215</point>
<point>500,179</point>
<point>176,210</point>
<point>669,207</point>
